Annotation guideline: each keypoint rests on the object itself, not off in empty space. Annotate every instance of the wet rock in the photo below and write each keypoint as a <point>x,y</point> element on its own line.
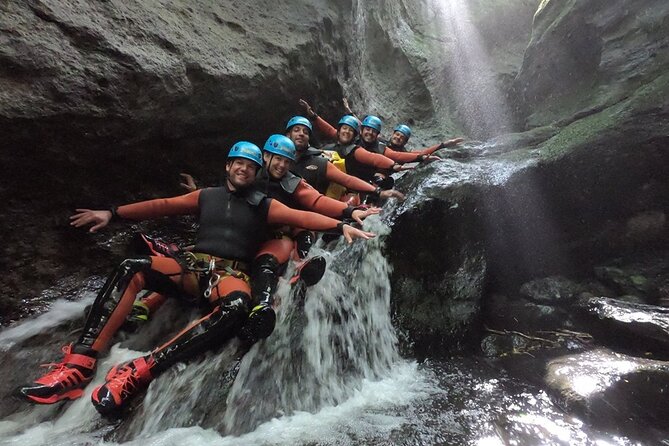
<point>635,326</point>
<point>524,315</point>
<point>438,273</point>
<point>611,390</point>
<point>644,275</point>
<point>551,290</point>
<point>104,103</point>
<point>585,57</point>
<point>623,282</point>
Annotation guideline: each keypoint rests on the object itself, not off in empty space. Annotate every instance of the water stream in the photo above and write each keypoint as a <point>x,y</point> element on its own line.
<point>329,374</point>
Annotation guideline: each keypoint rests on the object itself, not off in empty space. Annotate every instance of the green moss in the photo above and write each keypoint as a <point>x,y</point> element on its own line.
<point>638,281</point>
<point>607,122</point>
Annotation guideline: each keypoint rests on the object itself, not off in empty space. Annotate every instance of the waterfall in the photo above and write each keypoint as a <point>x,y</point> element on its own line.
<point>333,349</point>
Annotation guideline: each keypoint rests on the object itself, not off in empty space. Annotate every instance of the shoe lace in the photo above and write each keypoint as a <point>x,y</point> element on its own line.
<point>59,367</point>
<point>124,379</point>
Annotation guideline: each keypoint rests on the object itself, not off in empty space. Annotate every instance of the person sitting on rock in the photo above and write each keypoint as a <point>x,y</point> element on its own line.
<point>371,166</point>
<point>277,181</point>
<point>234,219</point>
<point>316,169</point>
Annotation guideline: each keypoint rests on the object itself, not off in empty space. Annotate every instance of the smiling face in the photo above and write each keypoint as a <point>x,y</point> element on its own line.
<point>299,134</point>
<point>241,173</point>
<point>345,134</point>
<point>277,165</point>
<point>369,135</point>
<point>398,139</point>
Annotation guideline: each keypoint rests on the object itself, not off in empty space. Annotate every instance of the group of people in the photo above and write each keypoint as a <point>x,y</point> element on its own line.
<point>266,211</point>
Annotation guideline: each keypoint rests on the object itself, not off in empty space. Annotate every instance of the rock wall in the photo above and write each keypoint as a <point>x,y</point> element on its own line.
<point>588,181</point>
<point>102,102</point>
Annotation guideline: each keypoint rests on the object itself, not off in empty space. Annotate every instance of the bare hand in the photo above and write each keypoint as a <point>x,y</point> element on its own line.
<point>430,158</point>
<point>392,193</point>
<point>452,142</point>
<point>188,182</point>
<point>402,167</point>
<point>84,217</point>
<point>347,109</point>
<point>351,233</point>
<point>307,108</point>
<point>359,215</point>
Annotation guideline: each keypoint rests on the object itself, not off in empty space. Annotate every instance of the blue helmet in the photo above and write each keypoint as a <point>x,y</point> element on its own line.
<point>350,121</point>
<point>280,145</point>
<point>403,129</point>
<point>301,120</point>
<point>248,150</point>
<point>373,122</point>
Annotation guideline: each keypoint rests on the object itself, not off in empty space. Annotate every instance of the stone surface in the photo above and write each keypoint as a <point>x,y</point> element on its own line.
<point>611,390</point>
<point>105,102</point>
<point>637,327</point>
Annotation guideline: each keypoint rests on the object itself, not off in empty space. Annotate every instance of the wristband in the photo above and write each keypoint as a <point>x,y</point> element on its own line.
<point>114,212</point>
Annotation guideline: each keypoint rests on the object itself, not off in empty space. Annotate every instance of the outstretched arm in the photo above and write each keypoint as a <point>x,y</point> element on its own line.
<point>310,198</point>
<point>403,157</point>
<point>280,214</point>
<point>350,182</point>
<point>325,128</point>
<point>143,210</point>
<point>450,143</point>
<point>374,159</point>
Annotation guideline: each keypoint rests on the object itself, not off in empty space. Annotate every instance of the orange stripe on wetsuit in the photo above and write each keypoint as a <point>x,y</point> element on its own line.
<point>348,181</point>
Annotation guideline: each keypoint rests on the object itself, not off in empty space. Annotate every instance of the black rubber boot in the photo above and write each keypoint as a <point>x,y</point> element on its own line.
<point>213,330</point>
<point>303,243</point>
<point>264,279</point>
<point>108,299</point>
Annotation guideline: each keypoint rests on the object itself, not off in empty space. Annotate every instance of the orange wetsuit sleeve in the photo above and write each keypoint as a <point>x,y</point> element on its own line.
<point>373,159</point>
<point>280,214</point>
<point>161,207</point>
<point>310,198</point>
<point>348,181</point>
<point>401,157</point>
<point>430,150</point>
<point>325,128</point>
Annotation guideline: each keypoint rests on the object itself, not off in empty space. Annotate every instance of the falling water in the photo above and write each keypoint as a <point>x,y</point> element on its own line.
<point>475,94</point>
<point>333,353</point>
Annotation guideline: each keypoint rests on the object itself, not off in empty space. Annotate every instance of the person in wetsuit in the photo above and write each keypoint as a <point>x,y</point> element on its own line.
<point>401,135</point>
<point>233,221</point>
<point>318,171</point>
<point>277,181</point>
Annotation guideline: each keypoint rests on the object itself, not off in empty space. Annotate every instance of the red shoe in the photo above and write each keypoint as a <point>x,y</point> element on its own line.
<point>123,382</point>
<point>65,380</point>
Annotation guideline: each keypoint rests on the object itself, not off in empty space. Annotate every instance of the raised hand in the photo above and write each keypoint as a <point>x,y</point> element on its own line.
<point>307,108</point>
<point>188,182</point>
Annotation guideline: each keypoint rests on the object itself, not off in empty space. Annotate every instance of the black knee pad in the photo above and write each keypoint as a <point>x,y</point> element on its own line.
<point>266,262</point>
<point>384,183</point>
<point>235,301</point>
<point>304,240</point>
<point>259,325</point>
